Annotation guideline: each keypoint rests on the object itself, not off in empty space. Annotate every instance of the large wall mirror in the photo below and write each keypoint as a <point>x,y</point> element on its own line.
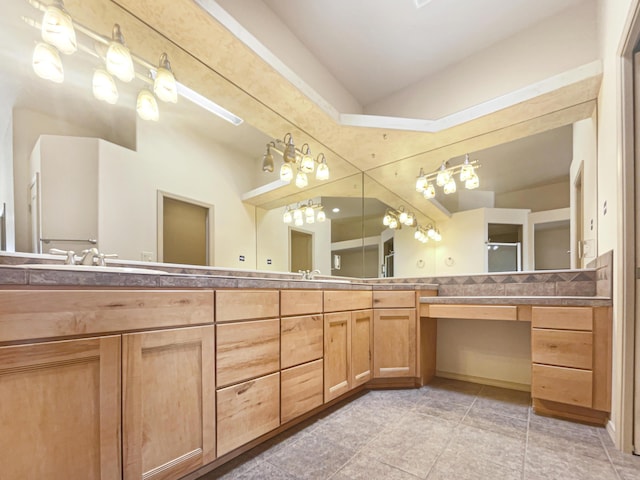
<point>78,172</point>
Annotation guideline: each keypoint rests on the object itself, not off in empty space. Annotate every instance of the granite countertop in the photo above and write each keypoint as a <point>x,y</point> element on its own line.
<point>567,301</point>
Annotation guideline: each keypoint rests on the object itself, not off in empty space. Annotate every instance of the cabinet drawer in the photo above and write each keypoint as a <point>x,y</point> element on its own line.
<point>341,300</point>
<point>300,302</point>
<point>474,312</point>
<point>562,318</point>
<point>35,314</point>
<point>301,339</point>
<point>301,389</point>
<point>246,411</point>
<point>563,385</point>
<point>246,304</point>
<point>563,348</point>
<point>247,350</point>
<point>394,299</point>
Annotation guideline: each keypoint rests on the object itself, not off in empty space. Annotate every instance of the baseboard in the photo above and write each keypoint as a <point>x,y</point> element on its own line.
<point>485,381</point>
<point>611,430</point>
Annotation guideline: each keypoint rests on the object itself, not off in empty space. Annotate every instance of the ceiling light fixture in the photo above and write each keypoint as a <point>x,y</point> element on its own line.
<point>308,212</point>
<point>47,64</point>
<point>425,233</point>
<point>299,160</point>
<point>445,177</point>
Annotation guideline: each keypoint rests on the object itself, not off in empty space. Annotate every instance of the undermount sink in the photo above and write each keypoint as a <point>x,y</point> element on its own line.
<point>89,268</point>
<point>327,280</point>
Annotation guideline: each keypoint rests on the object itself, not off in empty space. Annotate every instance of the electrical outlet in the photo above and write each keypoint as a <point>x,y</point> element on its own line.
<point>146,256</point>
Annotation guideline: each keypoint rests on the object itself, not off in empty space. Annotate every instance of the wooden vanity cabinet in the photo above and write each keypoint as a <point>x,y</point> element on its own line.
<point>60,410</point>
<point>337,354</point>
<point>248,366</point>
<point>394,334</point>
<point>571,355</point>
<point>301,352</point>
<point>168,402</point>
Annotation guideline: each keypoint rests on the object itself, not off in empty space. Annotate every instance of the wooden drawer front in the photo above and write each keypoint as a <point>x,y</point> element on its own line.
<point>301,340</point>
<point>563,348</point>
<point>246,411</point>
<point>35,314</point>
<point>341,300</point>
<point>562,318</point>
<point>301,389</point>
<point>300,302</point>
<point>247,350</point>
<point>563,385</point>
<point>474,312</point>
<point>394,299</point>
<point>246,304</point>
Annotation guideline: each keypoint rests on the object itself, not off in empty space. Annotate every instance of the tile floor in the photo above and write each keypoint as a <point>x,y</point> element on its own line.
<point>446,430</point>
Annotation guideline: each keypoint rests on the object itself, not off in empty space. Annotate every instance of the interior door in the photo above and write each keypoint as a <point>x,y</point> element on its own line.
<point>636,386</point>
<point>301,250</point>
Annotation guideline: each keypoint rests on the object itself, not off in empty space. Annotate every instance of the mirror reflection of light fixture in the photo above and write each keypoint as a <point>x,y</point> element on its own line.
<point>57,28</point>
<point>147,106</point>
<point>304,213</point>
<point>164,84</point>
<point>425,233</point>
<point>104,87</point>
<point>118,59</point>
<point>395,219</point>
<point>301,160</point>
<point>444,177</point>
<point>267,161</point>
<point>47,64</point>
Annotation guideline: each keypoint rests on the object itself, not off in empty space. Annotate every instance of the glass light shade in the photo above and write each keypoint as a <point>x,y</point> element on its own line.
<point>311,219</point>
<point>393,223</point>
<point>286,172</point>
<point>104,87</point>
<point>297,214</point>
<point>466,172</point>
<point>47,64</point>
<point>301,180</point>
<point>472,182</point>
<point>431,232</point>
<point>403,217</point>
<point>308,211</point>
<point>386,220</point>
<point>308,164</point>
<point>437,237</point>
<point>417,234</point>
<point>165,86</point>
<point>267,161</point>
<point>321,217</point>
<point>450,186</point>
<point>429,191</point>
<point>410,219</point>
<point>299,222</point>
<point>57,30</point>
<point>287,217</point>
<point>421,183</point>
<point>147,106</point>
<point>118,58</point>
<point>443,176</point>
<point>322,173</point>
<point>289,154</point>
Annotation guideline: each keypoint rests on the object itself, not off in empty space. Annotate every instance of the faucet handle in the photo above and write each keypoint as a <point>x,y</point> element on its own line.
<point>71,255</point>
<point>102,256</point>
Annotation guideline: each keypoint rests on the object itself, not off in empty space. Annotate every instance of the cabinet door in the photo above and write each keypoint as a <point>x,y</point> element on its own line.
<point>61,405</point>
<point>247,410</point>
<point>337,354</point>
<point>168,402</point>
<point>361,343</point>
<point>394,337</point>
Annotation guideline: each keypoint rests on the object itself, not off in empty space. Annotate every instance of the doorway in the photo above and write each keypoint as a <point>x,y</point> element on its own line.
<point>185,233</point>
<point>301,251</point>
<point>578,251</point>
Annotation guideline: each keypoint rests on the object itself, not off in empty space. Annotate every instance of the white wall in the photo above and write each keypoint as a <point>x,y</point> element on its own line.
<point>540,198</point>
<point>6,172</point>
<point>413,258</point>
<point>550,47</point>
<point>462,249</point>
<point>273,242</point>
<point>614,18</point>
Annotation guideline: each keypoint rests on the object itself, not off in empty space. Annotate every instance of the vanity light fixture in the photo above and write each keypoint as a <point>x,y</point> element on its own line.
<point>304,213</point>
<point>445,177</point>
<point>118,58</point>
<point>299,160</point>
<point>104,86</point>
<point>395,219</point>
<point>164,83</point>
<point>147,106</point>
<point>57,28</point>
<point>47,64</point>
<point>425,233</point>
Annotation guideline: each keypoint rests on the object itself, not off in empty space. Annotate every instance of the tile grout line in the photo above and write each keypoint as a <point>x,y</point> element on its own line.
<point>526,443</point>
<point>613,465</point>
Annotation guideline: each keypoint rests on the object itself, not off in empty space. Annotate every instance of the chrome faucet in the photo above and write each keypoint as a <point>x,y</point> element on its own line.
<point>92,256</point>
<point>308,274</point>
